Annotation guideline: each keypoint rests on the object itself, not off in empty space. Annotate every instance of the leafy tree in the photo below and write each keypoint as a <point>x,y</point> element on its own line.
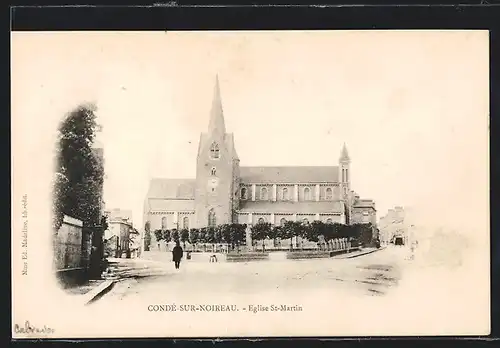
<point>166,237</point>
<point>147,236</point>
<point>79,178</point>
<point>174,234</point>
<point>233,231</point>
<point>346,231</point>
<point>238,234</point>
<point>217,235</point>
<point>366,233</point>
<point>331,232</point>
<point>337,228</point>
<point>60,188</point>
<point>104,222</point>
<point>233,234</point>
<point>292,229</point>
<point>158,235</point>
<point>203,237</point>
<point>377,241</point>
<point>225,234</point>
<point>260,231</point>
<point>194,235</point>
<point>211,236</point>
<point>314,230</point>
<point>184,236</point>
<point>275,233</point>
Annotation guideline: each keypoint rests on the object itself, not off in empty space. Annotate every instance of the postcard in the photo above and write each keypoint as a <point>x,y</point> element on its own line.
<point>250,184</point>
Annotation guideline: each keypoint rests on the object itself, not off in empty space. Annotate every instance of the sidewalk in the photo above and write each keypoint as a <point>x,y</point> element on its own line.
<point>91,290</point>
<point>136,268</point>
<point>358,253</point>
<point>118,270</point>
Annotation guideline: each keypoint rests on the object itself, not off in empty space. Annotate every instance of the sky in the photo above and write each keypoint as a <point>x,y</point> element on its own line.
<point>411,106</point>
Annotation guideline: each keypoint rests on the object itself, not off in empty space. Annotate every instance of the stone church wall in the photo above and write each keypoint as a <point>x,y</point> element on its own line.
<point>290,193</point>
<point>258,192</point>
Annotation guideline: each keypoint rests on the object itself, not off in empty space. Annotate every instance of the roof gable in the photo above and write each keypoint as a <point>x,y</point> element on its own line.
<point>180,205</point>
<point>171,188</point>
<point>289,174</point>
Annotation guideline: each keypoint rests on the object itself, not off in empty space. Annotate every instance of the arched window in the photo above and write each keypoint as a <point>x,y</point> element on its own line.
<point>164,223</point>
<point>261,221</point>
<point>244,193</point>
<point>283,222</point>
<point>307,194</point>
<point>328,221</point>
<point>347,175</point>
<point>263,194</point>
<point>285,194</point>
<point>185,223</point>
<point>328,194</point>
<point>343,175</point>
<point>211,218</point>
<point>213,172</point>
<point>214,151</point>
<point>305,221</point>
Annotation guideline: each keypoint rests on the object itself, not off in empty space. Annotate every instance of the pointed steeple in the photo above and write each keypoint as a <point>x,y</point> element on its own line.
<point>216,124</point>
<point>344,156</point>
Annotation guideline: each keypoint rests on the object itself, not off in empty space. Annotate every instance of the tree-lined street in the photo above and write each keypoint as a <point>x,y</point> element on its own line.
<point>373,274</point>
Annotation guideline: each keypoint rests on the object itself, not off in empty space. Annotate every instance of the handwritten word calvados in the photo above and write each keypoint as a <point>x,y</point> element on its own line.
<point>29,329</point>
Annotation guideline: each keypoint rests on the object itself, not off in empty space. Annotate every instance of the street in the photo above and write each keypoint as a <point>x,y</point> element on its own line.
<point>378,293</point>
<point>375,274</point>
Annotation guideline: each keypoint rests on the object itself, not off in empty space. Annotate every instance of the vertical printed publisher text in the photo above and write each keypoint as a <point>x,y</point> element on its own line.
<point>24,238</point>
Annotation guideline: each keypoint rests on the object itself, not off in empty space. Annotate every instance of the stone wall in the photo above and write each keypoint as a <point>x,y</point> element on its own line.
<point>68,245</point>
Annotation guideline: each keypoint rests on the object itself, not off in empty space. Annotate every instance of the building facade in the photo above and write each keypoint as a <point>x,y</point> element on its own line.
<point>223,191</point>
<point>393,226</point>
<point>121,238</point>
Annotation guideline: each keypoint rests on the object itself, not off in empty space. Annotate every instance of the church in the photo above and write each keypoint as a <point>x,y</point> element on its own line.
<point>223,191</point>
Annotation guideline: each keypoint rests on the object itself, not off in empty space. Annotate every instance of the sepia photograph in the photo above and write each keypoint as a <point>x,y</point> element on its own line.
<point>250,184</point>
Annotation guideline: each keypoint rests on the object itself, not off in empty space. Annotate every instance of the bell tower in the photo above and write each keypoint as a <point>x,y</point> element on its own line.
<point>345,181</point>
<point>215,170</point>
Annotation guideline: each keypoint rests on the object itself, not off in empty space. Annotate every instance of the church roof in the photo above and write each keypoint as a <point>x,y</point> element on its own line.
<point>344,156</point>
<point>290,207</point>
<point>216,123</point>
<point>171,205</point>
<point>171,188</point>
<point>289,174</point>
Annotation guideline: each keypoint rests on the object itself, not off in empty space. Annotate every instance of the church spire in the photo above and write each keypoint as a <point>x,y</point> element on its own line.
<point>344,156</point>
<point>216,124</point>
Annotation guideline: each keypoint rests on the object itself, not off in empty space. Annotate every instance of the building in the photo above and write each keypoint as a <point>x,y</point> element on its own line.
<point>223,191</point>
<point>393,227</point>
<point>121,238</point>
<point>114,214</point>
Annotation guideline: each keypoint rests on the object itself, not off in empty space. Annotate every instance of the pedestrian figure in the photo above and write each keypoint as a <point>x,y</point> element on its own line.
<point>177,254</point>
